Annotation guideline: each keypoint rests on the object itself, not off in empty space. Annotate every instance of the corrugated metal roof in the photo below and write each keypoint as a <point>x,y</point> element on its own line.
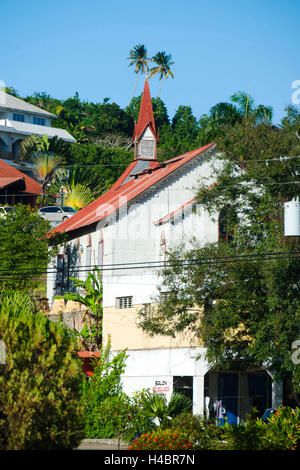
<point>8,101</point>
<point>28,129</point>
<point>7,181</point>
<point>8,171</point>
<point>122,192</point>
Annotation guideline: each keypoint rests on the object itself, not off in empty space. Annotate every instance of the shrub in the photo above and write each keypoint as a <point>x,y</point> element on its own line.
<point>282,432</point>
<point>155,406</point>
<point>162,439</point>
<point>103,385</point>
<point>39,383</point>
<point>205,434</point>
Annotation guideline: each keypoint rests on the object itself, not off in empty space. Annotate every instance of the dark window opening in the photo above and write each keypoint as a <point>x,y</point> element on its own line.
<point>184,385</point>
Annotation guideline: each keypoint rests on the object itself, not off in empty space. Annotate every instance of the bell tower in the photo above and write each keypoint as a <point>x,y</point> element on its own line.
<point>145,136</point>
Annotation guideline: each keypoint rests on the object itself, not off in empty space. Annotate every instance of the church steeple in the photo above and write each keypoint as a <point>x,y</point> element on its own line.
<point>145,136</point>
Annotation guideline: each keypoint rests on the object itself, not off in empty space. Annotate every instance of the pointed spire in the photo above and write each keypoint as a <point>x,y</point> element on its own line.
<point>146,117</point>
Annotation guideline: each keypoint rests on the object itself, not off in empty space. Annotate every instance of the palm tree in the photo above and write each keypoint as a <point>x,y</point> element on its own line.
<point>72,186</point>
<point>36,144</point>
<point>45,165</point>
<point>163,63</point>
<point>157,408</point>
<point>246,106</point>
<point>46,157</point>
<point>78,196</point>
<point>138,58</point>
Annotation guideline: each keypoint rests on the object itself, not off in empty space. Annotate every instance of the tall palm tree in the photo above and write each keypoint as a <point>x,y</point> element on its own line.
<point>34,144</point>
<point>46,156</point>
<point>138,58</point>
<point>246,106</point>
<point>45,165</point>
<point>163,65</point>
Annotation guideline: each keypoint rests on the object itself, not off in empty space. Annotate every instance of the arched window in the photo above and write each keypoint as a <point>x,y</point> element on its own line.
<point>100,250</point>
<point>226,222</point>
<point>163,248</point>
<point>78,257</point>
<point>88,256</point>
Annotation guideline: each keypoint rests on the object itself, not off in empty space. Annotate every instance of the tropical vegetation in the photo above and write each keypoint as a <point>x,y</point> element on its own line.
<point>246,285</point>
<point>40,380</point>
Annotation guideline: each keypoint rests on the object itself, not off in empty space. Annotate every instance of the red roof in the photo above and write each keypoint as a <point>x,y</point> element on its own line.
<point>173,213</point>
<point>7,181</point>
<point>9,172</point>
<point>146,117</point>
<point>123,191</point>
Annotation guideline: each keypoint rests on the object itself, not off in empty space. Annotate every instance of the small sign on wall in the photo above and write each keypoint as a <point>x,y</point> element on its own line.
<point>161,386</point>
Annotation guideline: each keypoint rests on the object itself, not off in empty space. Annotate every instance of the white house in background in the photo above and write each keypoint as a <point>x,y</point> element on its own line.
<point>126,232</point>
<point>19,119</point>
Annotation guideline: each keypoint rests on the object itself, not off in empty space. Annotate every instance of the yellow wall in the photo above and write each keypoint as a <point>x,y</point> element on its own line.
<point>121,325</point>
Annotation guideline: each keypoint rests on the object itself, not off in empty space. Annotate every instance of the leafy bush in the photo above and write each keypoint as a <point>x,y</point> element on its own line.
<point>162,439</point>
<point>282,432</point>
<point>39,383</point>
<point>96,391</point>
<point>108,411</point>
<point>156,406</point>
<point>205,434</point>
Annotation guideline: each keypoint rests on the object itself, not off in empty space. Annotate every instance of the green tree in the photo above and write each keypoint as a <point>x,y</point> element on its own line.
<point>157,407</point>
<point>40,381</point>
<point>103,385</point>
<point>249,306</point>
<point>91,334</point>
<point>163,63</point>
<point>101,167</point>
<point>25,250</point>
<point>46,157</point>
<point>185,129</point>
<point>139,59</point>
<point>246,107</point>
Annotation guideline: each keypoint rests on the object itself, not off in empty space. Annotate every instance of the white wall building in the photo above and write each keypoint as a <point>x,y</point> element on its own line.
<point>126,232</point>
<point>19,119</point>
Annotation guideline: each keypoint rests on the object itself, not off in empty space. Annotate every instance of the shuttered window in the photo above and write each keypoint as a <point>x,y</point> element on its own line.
<point>124,302</point>
<point>147,148</point>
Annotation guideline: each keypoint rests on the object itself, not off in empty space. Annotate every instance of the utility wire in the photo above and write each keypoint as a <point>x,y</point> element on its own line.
<point>160,264</point>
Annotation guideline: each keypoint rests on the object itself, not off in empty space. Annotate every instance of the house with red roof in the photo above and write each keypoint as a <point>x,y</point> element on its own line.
<point>126,232</point>
<point>16,186</point>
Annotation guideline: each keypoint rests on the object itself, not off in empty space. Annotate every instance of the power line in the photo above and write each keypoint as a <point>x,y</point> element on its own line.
<point>157,264</point>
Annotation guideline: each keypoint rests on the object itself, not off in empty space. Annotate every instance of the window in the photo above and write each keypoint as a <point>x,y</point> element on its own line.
<point>163,248</point>
<point>224,233</point>
<point>164,296</point>
<point>51,209</point>
<point>68,209</point>
<point>78,257</point>
<point>88,258</point>
<point>147,148</point>
<point>124,302</point>
<point>39,121</point>
<point>100,255</point>
<point>18,117</point>
<point>184,385</point>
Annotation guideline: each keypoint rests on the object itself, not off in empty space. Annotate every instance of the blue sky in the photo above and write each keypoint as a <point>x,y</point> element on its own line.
<point>218,46</point>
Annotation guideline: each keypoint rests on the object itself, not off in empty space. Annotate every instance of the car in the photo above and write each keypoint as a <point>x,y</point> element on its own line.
<point>56,213</point>
<point>5,209</point>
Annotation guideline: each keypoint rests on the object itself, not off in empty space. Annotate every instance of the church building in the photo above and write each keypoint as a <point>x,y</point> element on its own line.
<point>126,232</point>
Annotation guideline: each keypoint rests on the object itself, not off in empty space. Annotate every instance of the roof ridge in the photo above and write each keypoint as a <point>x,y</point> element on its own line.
<point>129,190</point>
